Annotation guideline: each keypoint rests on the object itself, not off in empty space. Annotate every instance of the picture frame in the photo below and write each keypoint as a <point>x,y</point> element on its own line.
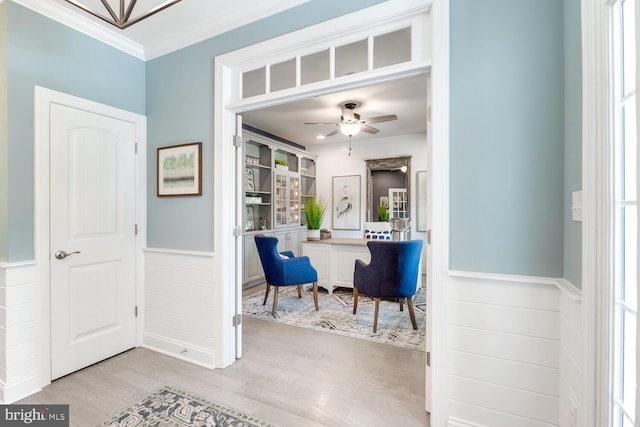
<point>179,170</point>
<point>346,202</point>
<point>249,184</point>
<point>249,223</point>
<point>421,206</point>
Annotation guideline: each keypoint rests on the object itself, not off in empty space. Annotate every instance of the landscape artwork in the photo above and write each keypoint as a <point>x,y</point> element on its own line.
<point>180,170</point>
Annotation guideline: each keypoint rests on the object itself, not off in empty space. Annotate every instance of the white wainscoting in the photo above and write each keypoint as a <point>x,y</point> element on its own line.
<point>513,349</point>
<point>178,311</point>
<point>20,343</point>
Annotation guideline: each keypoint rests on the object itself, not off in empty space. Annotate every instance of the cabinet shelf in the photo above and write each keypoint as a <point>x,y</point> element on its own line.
<point>257,166</point>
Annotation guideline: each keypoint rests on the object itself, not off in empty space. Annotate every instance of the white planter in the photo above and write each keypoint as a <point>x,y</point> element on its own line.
<point>282,167</point>
<point>313,234</point>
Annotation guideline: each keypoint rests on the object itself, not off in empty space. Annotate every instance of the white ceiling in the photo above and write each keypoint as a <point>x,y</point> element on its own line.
<point>191,21</point>
<point>407,98</point>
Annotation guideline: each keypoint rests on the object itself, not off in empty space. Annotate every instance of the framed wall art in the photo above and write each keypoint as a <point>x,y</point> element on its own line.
<point>346,202</point>
<point>180,170</point>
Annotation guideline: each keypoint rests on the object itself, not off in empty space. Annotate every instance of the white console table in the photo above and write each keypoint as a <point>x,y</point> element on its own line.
<point>335,259</point>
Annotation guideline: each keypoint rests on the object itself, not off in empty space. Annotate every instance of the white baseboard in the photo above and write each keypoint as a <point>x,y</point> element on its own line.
<point>12,392</point>
<point>179,350</point>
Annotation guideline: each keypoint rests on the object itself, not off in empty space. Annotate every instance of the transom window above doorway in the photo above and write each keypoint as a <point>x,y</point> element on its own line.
<point>343,57</point>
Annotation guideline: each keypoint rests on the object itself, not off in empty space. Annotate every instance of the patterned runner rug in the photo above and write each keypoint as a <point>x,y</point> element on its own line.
<point>173,407</point>
<point>336,315</point>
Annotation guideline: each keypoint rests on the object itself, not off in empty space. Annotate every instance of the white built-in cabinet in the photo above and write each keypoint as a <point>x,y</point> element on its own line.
<point>274,197</point>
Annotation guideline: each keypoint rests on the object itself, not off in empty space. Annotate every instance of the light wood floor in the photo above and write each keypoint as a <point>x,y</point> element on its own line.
<point>288,376</point>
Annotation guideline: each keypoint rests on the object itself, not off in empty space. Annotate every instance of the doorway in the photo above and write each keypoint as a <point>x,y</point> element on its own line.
<point>228,103</point>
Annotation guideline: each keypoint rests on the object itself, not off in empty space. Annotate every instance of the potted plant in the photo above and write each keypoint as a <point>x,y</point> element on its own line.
<point>383,212</point>
<point>314,210</point>
<point>282,164</point>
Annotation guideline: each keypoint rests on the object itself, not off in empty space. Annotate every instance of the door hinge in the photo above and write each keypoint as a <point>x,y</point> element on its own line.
<point>136,230</point>
<point>428,358</point>
<point>236,320</point>
<point>428,236</point>
<point>136,310</point>
<point>136,145</point>
<point>237,231</point>
<point>237,141</point>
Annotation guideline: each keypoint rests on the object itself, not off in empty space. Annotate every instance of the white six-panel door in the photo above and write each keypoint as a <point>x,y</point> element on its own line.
<point>92,208</point>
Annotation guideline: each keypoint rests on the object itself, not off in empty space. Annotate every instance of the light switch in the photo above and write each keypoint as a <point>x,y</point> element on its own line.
<point>576,206</point>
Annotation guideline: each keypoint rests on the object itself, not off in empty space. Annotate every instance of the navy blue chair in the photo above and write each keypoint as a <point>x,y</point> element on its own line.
<point>284,269</point>
<point>391,274</point>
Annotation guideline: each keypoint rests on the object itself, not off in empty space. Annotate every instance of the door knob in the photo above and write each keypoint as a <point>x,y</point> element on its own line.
<point>63,254</point>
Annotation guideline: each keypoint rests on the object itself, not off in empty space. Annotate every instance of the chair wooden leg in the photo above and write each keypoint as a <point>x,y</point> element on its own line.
<point>275,301</point>
<point>355,299</point>
<point>266,294</point>
<point>401,304</point>
<point>315,294</point>
<point>412,314</point>
<point>299,291</point>
<point>375,316</point>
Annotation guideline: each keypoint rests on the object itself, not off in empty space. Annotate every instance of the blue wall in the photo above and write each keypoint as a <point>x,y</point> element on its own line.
<point>572,139</point>
<point>180,109</point>
<point>507,153</point>
<point>43,52</point>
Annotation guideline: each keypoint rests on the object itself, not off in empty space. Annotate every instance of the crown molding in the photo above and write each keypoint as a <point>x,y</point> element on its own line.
<point>84,25</point>
<point>217,25</point>
<point>172,41</point>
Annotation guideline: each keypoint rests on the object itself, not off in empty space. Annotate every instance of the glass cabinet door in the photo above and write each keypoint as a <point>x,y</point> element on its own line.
<point>287,198</point>
<point>294,200</point>
<point>281,206</point>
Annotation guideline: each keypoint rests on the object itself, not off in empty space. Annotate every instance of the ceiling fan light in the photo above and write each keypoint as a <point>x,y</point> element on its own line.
<point>350,129</point>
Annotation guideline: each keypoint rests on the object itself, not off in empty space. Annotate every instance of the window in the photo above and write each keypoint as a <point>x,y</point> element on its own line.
<point>624,309</point>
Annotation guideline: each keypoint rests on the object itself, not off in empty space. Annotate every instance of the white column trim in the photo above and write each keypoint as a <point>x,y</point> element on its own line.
<point>438,276</point>
<point>596,248</point>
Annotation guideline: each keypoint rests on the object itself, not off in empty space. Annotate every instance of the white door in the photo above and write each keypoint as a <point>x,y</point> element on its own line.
<point>92,219</point>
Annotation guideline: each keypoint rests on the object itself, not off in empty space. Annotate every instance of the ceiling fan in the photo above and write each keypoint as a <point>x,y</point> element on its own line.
<point>351,123</point>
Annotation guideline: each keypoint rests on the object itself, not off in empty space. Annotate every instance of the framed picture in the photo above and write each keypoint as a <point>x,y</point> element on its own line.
<point>346,202</point>
<point>180,170</point>
<point>249,223</point>
<point>249,184</point>
<point>421,206</point>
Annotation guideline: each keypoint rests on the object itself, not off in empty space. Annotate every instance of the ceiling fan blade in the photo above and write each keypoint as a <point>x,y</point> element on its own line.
<point>336,131</point>
<point>379,119</point>
<point>369,129</point>
<point>336,124</point>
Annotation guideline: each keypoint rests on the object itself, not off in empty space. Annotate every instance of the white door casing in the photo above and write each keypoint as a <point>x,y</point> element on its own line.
<point>92,208</point>
<point>45,102</point>
<point>228,86</point>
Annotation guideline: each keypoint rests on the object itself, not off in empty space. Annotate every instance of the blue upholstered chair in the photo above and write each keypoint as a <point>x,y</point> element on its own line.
<point>392,273</point>
<point>284,269</point>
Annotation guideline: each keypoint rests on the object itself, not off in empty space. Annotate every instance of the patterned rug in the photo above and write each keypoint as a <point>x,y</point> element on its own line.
<point>336,315</point>
<point>173,407</point>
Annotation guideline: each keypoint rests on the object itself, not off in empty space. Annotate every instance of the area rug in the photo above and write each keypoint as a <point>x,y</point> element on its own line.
<point>172,407</point>
<point>335,315</point>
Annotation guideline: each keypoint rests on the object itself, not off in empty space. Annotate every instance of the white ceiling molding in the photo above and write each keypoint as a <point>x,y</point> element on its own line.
<point>84,25</point>
<point>228,19</point>
<point>220,24</point>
